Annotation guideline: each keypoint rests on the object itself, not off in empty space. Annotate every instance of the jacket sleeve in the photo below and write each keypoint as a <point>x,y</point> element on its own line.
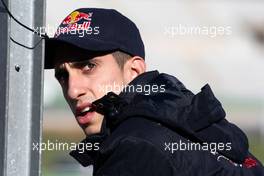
<point>133,157</point>
<point>226,132</point>
<point>250,167</point>
<point>209,124</point>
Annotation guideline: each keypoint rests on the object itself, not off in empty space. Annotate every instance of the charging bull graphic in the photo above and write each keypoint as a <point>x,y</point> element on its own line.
<point>72,23</point>
<point>76,16</point>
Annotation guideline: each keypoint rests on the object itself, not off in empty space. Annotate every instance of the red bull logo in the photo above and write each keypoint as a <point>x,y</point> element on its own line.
<point>71,24</point>
<point>76,16</point>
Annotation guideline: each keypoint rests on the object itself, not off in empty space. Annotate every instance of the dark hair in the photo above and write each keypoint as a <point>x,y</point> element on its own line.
<point>121,58</point>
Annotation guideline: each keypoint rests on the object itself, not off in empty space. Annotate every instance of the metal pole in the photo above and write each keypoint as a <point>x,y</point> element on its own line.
<point>3,86</point>
<point>21,89</point>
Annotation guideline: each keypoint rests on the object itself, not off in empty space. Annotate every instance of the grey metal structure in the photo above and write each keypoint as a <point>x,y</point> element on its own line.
<point>21,85</point>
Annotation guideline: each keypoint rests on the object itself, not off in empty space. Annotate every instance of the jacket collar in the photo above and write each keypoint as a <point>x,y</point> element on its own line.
<point>141,80</point>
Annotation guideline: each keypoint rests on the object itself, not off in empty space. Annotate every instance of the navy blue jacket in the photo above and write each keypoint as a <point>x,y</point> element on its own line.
<point>167,133</point>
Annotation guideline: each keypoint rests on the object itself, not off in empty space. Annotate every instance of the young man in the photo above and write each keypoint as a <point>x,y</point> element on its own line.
<point>138,122</point>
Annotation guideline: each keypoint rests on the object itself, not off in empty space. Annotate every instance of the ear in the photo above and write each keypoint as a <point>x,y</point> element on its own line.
<point>134,67</point>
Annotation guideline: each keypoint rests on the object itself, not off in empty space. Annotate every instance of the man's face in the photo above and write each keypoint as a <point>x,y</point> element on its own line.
<point>86,81</point>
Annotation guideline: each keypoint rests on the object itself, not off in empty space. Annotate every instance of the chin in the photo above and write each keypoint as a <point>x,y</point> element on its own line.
<point>92,129</point>
<point>94,126</point>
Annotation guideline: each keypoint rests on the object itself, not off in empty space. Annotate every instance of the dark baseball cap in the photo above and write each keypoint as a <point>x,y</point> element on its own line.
<point>89,32</point>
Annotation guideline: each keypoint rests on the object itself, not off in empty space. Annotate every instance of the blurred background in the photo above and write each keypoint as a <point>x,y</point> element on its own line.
<point>199,42</point>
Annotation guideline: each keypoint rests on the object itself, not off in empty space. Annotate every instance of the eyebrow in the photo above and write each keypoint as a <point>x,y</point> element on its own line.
<point>61,68</point>
<point>82,63</point>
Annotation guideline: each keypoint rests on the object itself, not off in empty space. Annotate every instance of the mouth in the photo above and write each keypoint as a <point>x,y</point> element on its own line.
<point>85,113</point>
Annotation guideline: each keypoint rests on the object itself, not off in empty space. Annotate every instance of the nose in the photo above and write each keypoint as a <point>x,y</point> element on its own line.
<point>76,87</point>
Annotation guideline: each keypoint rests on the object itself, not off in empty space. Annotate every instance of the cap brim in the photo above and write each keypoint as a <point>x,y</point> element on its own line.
<point>61,50</point>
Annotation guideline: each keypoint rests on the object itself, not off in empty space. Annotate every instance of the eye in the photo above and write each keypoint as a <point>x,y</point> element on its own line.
<point>89,66</point>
